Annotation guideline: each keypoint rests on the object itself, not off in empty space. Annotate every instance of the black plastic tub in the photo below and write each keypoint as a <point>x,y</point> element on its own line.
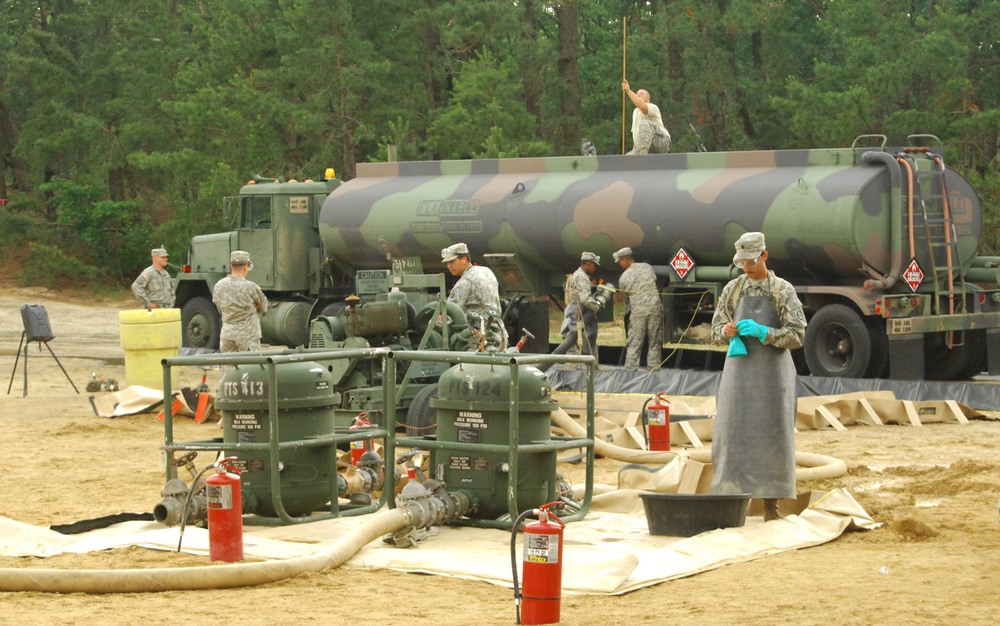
<point>686,515</point>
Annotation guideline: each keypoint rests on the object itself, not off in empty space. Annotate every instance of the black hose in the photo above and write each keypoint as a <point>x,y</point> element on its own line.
<point>642,414</point>
<point>187,503</point>
<point>513,560</point>
<point>570,340</point>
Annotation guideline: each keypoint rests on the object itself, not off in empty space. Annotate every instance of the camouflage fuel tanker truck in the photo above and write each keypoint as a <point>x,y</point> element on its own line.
<point>880,242</point>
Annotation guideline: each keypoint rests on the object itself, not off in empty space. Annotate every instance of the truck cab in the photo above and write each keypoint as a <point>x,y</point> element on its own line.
<point>276,222</point>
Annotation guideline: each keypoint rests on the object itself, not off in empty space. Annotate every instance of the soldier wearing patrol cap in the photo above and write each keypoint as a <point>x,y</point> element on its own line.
<point>477,293</point>
<point>579,294</point>
<point>241,303</point>
<point>153,287</point>
<point>753,447</point>
<point>644,310</point>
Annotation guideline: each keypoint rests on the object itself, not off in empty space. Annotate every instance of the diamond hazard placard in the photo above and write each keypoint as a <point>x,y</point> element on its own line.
<point>682,263</point>
<point>913,275</point>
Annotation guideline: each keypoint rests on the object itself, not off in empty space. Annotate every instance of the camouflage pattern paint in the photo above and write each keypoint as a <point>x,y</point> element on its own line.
<point>826,212</point>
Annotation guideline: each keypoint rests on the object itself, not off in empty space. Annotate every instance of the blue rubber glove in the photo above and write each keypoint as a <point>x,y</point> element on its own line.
<point>750,328</point>
<point>736,347</point>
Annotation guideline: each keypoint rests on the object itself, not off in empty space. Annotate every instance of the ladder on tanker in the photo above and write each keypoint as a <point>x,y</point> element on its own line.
<point>941,238</point>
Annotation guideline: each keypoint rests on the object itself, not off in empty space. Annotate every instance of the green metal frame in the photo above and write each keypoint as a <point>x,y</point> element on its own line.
<point>272,359</point>
<point>274,446</point>
<point>514,450</point>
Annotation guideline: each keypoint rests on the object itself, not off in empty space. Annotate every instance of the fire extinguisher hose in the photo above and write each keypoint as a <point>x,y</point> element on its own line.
<point>513,559</point>
<point>809,466</point>
<point>214,577</point>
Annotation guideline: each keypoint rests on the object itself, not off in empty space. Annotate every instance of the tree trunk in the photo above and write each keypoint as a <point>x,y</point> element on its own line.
<point>568,127</point>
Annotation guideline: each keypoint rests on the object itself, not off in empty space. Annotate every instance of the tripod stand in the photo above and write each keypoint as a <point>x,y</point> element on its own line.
<point>36,328</point>
<point>26,344</point>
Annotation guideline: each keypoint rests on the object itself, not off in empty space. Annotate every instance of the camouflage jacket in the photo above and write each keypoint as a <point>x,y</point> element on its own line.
<point>239,301</point>
<point>638,281</point>
<point>580,291</point>
<point>476,290</point>
<point>154,285</point>
<point>792,333</point>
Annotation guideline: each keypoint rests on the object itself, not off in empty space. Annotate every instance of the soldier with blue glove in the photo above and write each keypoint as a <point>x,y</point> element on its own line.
<point>760,316</point>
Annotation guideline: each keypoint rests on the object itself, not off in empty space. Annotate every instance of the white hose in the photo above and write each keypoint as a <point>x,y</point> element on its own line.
<point>209,577</point>
<point>810,466</point>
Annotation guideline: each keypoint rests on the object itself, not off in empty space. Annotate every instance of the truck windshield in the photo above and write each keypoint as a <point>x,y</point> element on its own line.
<point>255,212</point>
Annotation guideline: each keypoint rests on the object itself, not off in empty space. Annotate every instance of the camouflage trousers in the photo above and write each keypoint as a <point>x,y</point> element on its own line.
<point>239,345</point>
<point>485,331</point>
<point>653,137</point>
<point>236,345</point>
<point>641,329</point>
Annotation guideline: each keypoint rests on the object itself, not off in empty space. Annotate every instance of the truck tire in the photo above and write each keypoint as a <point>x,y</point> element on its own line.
<point>201,324</point>
<point>879,365</point>
<point>960,362</point>
<point>838,343</point>
<point>421,419</point>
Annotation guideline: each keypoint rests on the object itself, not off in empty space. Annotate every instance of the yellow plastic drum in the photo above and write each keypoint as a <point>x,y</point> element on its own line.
<point>147,338</point>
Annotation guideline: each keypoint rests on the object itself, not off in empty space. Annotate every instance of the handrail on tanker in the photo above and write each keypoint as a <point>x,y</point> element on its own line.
<point>910,140</point>
<point>884,139</point>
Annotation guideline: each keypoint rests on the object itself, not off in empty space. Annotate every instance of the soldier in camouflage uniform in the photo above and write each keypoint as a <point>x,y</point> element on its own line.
<point>580,297</point>
<point>477,293</point>
<point>649,135</point>
<point>645,310</point>
<point>241,302</point>
<point>153,287</point>
<point>753,447</point>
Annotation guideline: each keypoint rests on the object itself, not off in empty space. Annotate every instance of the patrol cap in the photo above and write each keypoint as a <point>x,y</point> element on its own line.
<point>621,254</point>
<point>749,246</point>
<point>239,257</point>
<point>159,252</point>
<point>590,256</point>
<point>452,252</point>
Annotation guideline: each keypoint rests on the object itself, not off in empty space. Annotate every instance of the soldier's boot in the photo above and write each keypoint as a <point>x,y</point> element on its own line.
<point>771,510</point>
<point>644,150</point>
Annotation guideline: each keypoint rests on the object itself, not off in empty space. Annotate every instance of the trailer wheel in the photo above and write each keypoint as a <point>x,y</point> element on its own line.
<point>838,343</point>
<point>879,366</point>
<point>201,324</point>
<point>957,363</point>
<point>421,419</point>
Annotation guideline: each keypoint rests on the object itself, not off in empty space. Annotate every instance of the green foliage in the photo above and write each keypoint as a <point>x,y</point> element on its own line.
<point>114,234</point>
<point>127,123</point>
<point>484,118</point>
<point>51,267</point>
<point>16,229</point>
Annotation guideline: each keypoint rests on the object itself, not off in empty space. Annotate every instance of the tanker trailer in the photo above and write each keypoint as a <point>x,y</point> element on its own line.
<point>881,243</point>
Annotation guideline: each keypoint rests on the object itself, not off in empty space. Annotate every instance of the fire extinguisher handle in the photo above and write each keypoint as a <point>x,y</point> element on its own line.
<point>227,464</point>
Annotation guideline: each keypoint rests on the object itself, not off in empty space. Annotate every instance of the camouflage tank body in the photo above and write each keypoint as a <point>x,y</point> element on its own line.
<point>837,223</point>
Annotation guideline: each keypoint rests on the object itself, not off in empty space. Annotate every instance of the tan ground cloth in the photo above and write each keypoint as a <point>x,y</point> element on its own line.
<point>135,399</point>
<point>607,553</point>
<point>617,417</point>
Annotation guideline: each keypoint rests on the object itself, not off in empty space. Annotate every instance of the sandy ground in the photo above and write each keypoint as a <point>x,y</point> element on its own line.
<point>934,487</point>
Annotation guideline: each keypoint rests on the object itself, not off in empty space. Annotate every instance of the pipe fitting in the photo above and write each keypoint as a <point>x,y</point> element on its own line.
<point>170,510</point>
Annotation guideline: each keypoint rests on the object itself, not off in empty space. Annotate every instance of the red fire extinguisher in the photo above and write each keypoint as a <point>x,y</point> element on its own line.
<point>656,415</point>
<point>358,447</point>
<point>225,512</point>
<point>540,597</point>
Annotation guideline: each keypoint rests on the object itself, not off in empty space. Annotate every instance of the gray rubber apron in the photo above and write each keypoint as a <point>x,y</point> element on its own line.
<point>753,442</point>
